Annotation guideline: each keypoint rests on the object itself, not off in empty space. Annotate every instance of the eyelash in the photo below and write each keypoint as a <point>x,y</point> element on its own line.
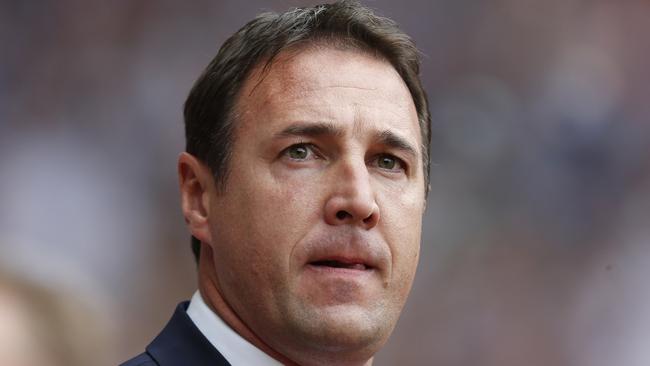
<point>401,165</point>
<point>307,146</point>
<point>313,151</point>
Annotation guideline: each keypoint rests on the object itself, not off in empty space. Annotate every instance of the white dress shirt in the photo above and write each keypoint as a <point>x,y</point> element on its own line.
<point>234,348</point>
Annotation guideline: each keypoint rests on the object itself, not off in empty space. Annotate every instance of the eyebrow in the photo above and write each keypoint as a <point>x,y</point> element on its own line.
<point>386,137</point>
<point>311,130</point>
<point>390,139</point>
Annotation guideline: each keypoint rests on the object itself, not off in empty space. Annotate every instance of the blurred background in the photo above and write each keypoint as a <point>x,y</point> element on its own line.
<point>536,242</point>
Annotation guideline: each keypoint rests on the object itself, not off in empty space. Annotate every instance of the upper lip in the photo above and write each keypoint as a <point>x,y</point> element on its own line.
<point>347,251</point>
<point>342,262</point>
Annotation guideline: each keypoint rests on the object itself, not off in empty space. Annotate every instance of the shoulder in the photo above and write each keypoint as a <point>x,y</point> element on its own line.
<point>180,343</point>
<point>141,360</point>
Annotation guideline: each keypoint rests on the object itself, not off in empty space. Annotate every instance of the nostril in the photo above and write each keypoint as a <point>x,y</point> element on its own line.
<point>342,215</point>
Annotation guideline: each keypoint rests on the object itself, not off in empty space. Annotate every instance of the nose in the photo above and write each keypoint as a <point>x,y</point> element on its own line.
<point>352,199</point>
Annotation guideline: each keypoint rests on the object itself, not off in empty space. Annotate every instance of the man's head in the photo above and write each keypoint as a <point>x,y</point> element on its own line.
<point>305,180</point>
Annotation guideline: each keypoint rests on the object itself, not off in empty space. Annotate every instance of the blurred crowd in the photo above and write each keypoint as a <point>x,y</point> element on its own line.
<point>536,240</point>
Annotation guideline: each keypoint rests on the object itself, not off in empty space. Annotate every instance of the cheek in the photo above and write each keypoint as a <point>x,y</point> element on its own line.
<point>294,198</point>
<point>405,261</point>
<point>402,223</point>
<point>405,257</point>
<point>266,217</point>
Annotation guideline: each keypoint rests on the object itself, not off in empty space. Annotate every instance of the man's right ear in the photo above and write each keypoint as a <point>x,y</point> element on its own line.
<point>196,185</point>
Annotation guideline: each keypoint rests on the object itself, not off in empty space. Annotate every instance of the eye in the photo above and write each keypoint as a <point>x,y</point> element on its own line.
<point>299,152</point>
<point>389,162</point>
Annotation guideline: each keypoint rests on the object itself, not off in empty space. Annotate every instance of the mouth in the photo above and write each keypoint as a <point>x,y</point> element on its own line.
<point>341,256</point>
<point>341,264</point>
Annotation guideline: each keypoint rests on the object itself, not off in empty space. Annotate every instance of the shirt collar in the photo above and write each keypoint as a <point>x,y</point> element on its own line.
<point>234,348</point>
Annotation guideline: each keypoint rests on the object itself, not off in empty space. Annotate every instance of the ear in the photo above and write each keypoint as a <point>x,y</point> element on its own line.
<point>196,185</point>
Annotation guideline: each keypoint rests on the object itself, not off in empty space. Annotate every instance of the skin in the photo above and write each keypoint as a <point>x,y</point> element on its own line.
<point>326,165</point>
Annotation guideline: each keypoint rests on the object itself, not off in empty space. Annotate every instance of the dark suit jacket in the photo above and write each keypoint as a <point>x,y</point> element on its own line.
<point>179,344</point>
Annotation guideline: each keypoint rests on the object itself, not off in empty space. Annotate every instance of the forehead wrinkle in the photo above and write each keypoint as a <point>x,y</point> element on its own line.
<point>293,92</point>
<point>339,87</point>
<point>386,136</point>
<point>282,91</point>
<point>287,69</point>
<point>286,76</point>
<point>397,123</point>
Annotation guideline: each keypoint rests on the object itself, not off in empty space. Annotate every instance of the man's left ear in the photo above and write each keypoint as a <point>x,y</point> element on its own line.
<point>196,184</point>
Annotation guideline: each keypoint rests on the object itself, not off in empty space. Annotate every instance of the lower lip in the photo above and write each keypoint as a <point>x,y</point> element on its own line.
<point>334,286</point>
<point>340,271</point>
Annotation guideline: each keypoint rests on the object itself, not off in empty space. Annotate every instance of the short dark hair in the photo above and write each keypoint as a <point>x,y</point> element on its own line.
<point>209,106</point>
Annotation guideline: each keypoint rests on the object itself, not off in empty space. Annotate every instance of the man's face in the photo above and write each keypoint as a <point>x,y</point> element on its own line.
<point>316,238</point>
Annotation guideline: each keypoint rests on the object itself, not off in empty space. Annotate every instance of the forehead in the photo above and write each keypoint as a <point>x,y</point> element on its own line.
<point>331,85</point>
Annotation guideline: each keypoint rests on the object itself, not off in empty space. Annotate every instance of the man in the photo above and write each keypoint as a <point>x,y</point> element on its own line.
<point>303,186</point>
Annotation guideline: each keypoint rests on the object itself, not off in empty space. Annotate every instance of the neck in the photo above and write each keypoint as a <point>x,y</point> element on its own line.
<point>209,289</point>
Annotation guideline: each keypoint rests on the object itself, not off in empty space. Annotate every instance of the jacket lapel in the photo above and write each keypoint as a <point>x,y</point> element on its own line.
<point>181,343</point>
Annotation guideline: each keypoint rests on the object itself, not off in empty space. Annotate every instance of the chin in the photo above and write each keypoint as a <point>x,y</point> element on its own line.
<point>346,327</point>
